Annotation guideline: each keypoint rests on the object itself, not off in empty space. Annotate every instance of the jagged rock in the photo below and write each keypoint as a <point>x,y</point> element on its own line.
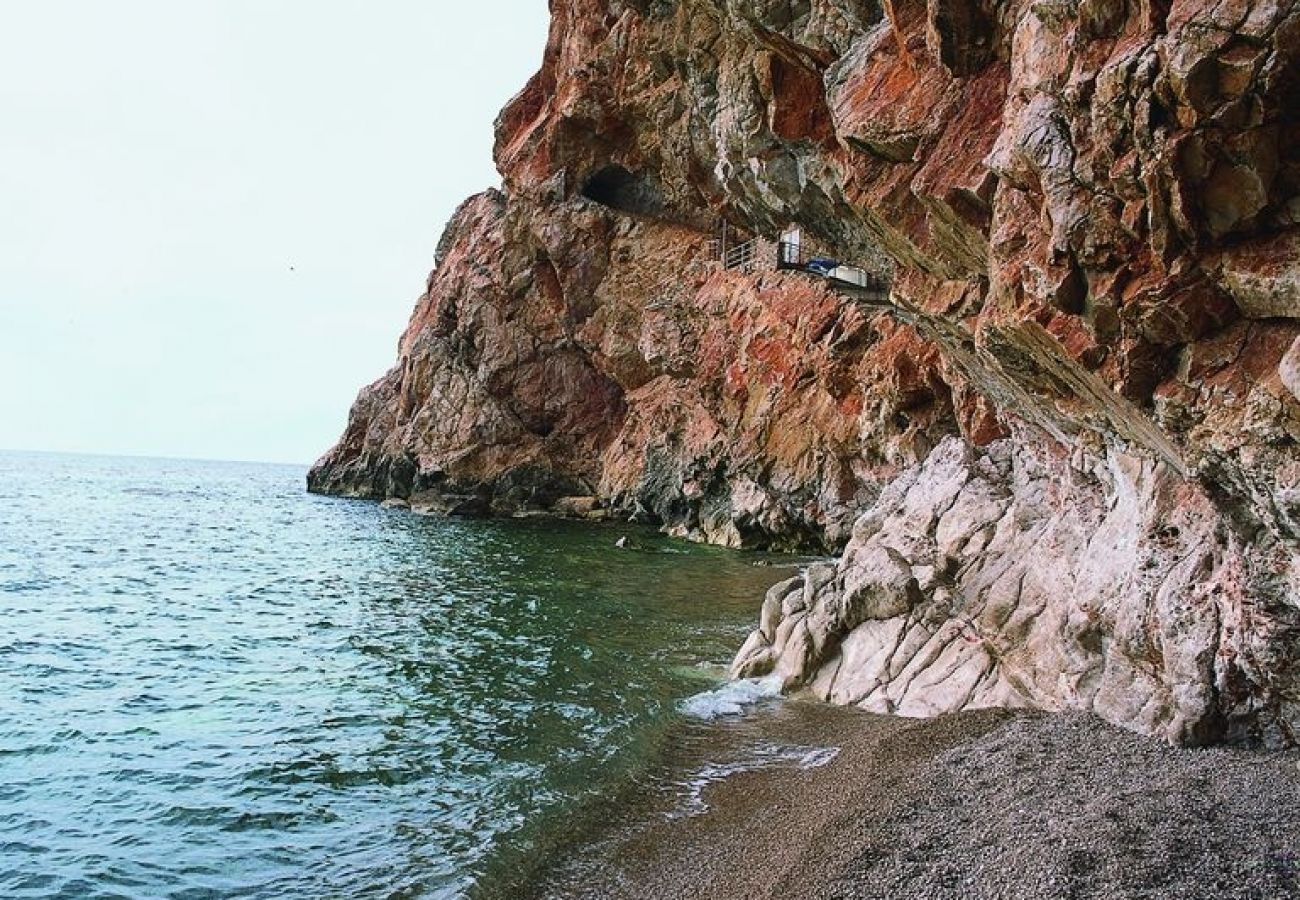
<point>1092,213</point>
<point>576,506</point>
<point>984,579</point>
<point>1289,369</point>
<point>1264,277</point>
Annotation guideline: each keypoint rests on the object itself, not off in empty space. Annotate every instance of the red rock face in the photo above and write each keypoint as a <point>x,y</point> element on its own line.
<point>1092,211</point>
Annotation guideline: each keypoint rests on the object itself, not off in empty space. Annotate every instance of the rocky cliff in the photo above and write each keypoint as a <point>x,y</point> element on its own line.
<point>1062,452</point>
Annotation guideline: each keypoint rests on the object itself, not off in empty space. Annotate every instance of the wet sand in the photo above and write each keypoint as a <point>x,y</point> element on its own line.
<point>981,805</point>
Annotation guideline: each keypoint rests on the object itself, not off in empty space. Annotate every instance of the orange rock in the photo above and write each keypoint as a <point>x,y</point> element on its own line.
<point>1091,211</point>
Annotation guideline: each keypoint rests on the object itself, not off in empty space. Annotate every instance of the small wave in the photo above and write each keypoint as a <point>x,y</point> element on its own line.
<point>732,698</point>
<point>815,759</point>
<point>763,756</point>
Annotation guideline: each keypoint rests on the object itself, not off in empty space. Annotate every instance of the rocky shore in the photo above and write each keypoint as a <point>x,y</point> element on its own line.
<point>980,805</point>
<point>1058,443</point>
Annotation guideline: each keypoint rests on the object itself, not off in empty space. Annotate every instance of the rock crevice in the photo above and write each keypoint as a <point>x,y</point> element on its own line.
<point>1061,461</point>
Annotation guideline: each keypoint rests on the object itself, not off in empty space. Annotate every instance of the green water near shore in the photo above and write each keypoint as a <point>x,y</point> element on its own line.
<point>225,687</point>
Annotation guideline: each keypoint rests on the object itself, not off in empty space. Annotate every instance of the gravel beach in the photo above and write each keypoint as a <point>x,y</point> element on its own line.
<point>980,805</point>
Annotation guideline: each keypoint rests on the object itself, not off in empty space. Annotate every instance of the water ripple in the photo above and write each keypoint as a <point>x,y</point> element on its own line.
<point>218,686</point>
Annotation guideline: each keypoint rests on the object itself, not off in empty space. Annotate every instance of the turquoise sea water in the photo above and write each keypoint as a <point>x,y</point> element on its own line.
<point>215,685</point>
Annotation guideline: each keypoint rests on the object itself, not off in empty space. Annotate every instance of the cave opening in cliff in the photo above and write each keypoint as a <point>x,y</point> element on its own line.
<point>617,188</point>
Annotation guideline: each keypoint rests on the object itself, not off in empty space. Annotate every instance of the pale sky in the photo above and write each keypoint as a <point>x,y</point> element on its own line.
<point>216,215</point>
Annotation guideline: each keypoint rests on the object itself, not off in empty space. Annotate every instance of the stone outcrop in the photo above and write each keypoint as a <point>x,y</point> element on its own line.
<point>1063,454</point>
<point>985,578</point>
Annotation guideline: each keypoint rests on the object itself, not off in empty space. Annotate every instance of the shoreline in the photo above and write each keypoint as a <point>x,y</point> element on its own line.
<point>987,804</point>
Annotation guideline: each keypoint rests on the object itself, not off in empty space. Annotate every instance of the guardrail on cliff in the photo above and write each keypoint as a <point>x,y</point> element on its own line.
<point>755,253</point>
<point>792,256</point>
<point>742,256</point>
<point>745,256</point>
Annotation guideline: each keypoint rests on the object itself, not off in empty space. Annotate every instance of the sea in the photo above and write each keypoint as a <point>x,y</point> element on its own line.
<point>213,684</point>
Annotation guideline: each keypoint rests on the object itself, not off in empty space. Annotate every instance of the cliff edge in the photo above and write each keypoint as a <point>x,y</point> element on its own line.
<point>1060,455</point>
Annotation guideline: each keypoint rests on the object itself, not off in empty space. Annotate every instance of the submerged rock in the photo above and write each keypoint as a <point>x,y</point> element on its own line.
<point>1062,452</point>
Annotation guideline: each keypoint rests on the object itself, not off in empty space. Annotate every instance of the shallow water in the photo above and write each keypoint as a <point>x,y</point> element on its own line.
<point>217,685</point>
<point>685,826</point>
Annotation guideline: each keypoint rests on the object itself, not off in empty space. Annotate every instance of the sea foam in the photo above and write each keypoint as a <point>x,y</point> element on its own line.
<point>756,758</point>
<point>732,698</point>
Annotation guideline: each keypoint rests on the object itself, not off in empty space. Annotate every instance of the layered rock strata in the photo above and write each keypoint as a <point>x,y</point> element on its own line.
<point>1063,453</point>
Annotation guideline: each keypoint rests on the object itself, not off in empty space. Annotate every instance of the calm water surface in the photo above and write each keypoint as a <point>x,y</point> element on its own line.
<point>215,685</point>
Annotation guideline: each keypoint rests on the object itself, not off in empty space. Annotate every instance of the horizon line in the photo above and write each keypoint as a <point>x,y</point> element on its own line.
<point>162,457</point>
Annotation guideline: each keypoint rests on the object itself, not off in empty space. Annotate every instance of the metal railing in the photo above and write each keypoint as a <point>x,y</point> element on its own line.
<point>741,256</point>
<point>793,256</point>
<point>798,256</point>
